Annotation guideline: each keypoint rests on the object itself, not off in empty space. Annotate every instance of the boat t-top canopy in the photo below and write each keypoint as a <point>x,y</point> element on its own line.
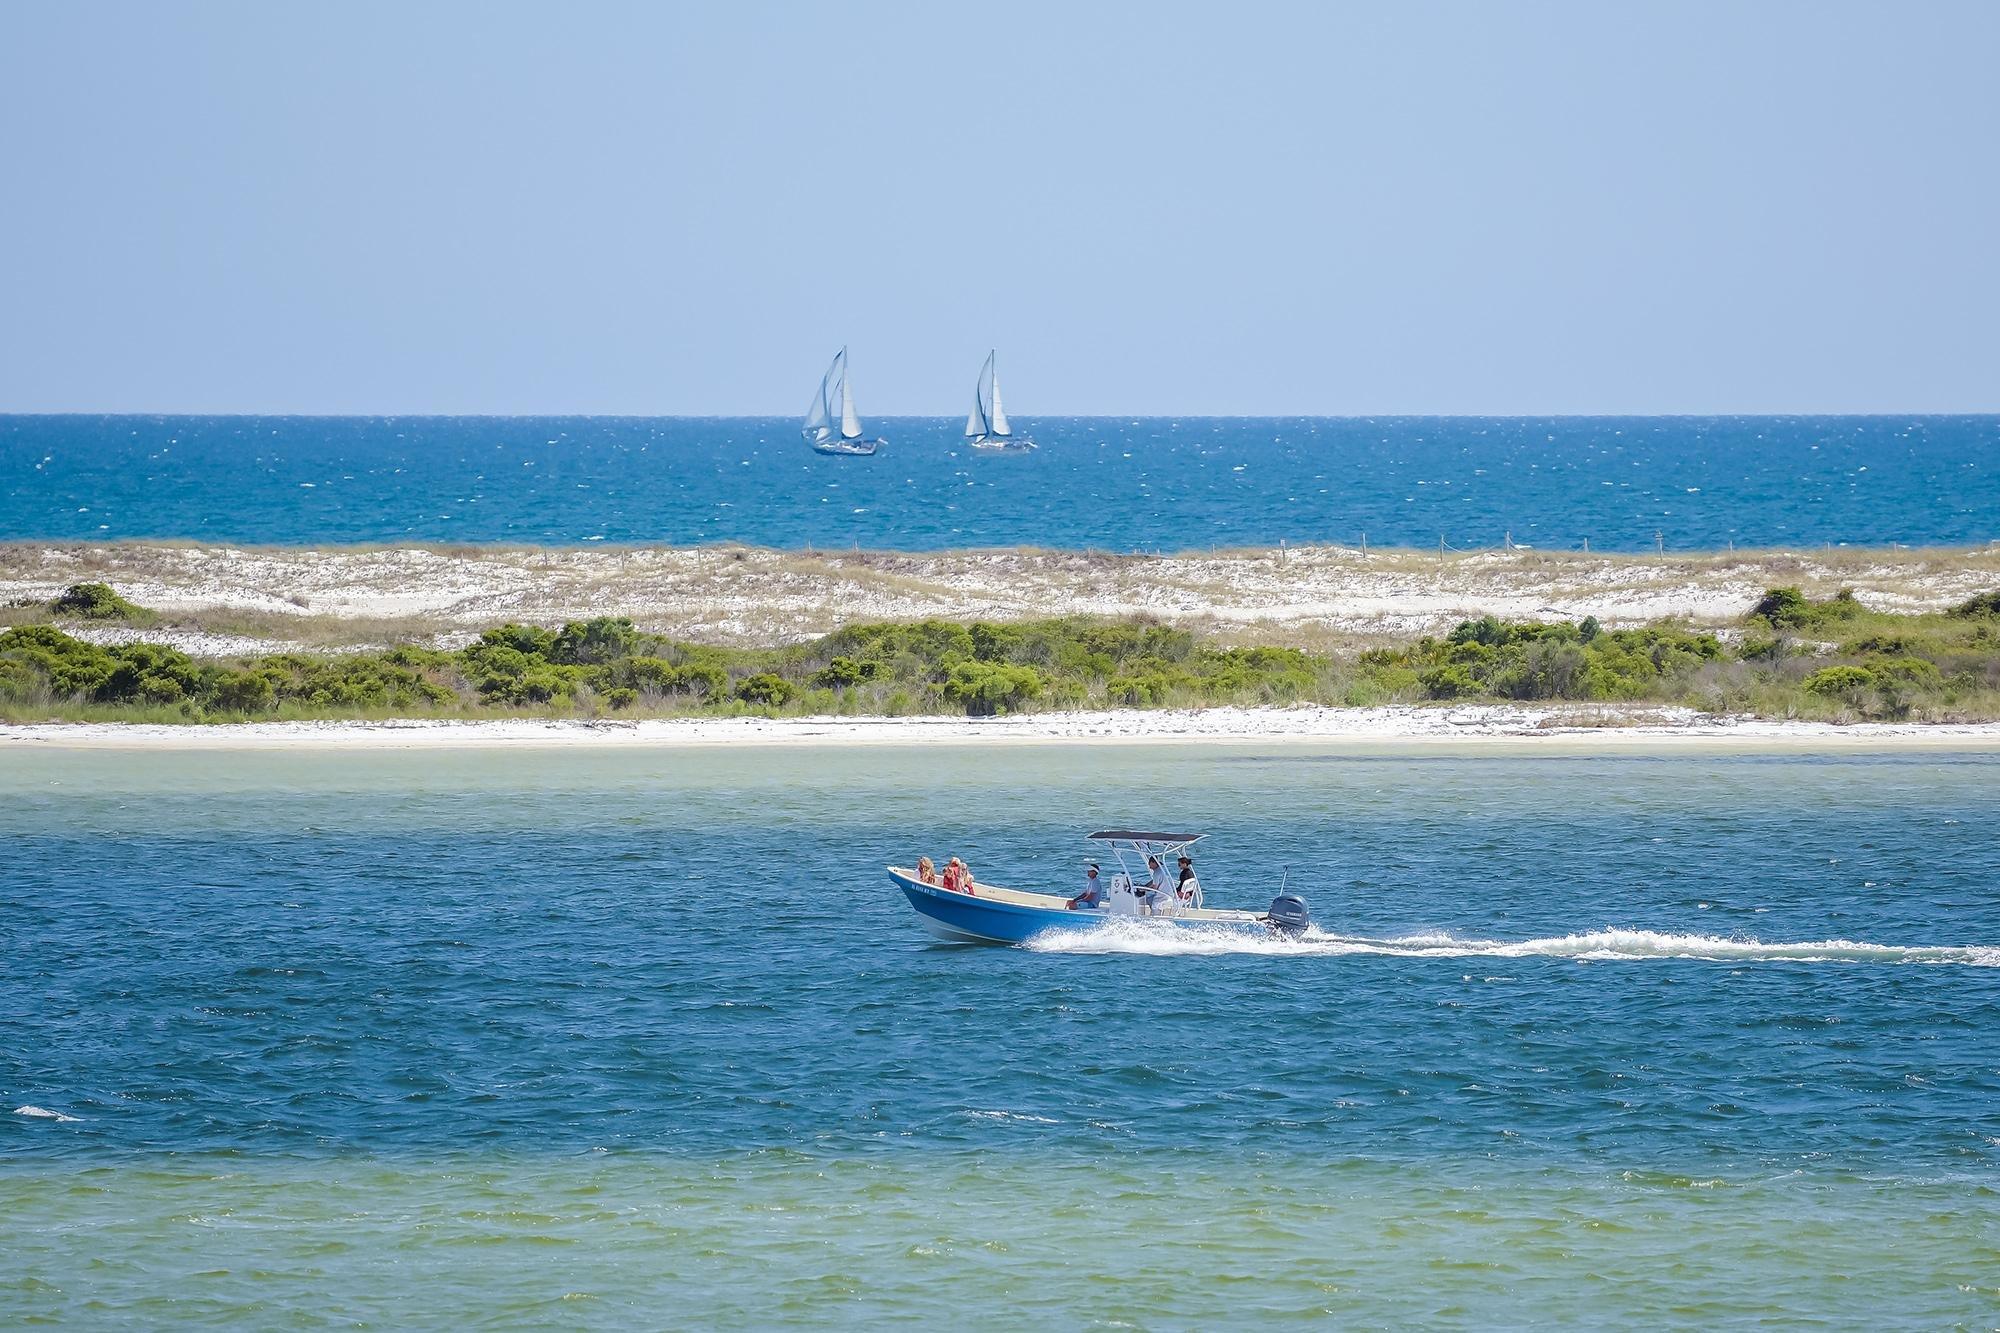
<point>1129,835</point>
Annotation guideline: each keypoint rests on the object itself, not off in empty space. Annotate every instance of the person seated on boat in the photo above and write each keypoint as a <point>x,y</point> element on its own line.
<point>926,871</point>
<point>957,876</point>
<point>965,881</point>
<point>1093,890</point>
<point>1155,892</point>
<point>1190,887</point>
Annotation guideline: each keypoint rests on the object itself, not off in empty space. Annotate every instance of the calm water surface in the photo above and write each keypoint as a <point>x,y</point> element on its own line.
<point>1109,483</point>
<point>642,1036</point>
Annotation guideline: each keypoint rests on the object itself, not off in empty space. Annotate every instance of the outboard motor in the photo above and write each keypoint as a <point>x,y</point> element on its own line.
<point>1289,915</point>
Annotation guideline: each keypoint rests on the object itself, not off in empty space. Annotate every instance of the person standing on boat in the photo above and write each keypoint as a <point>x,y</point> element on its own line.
<point>1093,890</point>
<point>1156,890</point>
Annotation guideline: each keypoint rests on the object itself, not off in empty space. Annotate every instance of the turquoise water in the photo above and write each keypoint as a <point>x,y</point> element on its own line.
<point>1109,483</point>
<point>643,1036</point>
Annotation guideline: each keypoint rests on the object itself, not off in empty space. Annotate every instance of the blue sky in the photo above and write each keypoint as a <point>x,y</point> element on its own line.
<point>1148,208</point>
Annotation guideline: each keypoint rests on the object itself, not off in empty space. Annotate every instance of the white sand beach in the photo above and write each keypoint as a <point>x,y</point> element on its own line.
<point>1573,727</point>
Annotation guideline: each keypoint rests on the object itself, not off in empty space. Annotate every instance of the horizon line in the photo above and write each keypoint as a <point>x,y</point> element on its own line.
<point>1017,416</point>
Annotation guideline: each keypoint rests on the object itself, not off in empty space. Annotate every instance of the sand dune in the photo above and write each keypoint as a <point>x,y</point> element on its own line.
<point>224,598</point>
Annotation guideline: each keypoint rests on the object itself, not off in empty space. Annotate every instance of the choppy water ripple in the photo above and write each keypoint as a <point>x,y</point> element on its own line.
<point>1104,483</point>
<point>1690,958</point>
<point>531,1035</point>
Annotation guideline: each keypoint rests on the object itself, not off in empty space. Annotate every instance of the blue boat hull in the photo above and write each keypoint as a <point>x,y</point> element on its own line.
<point>970,919</point>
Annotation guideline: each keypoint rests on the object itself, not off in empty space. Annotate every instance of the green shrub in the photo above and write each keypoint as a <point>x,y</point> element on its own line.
<point>1782,606</point>
<point>765,688</point>
<point>1548,671</point>
<point>244,692</point>
<point>528,640</point>
<point>1487,631</point>
<point>149,673</point>
<point>18,680</point>
<point>1790,608</point>
<point>1838,681</point>
<point>485,661</point>
<point>649,673</point>
<point>986,688</point>
<point>1912,673</point>
<point>1985,604</point>
<point>71,667</point>
<point>96,601</point>
<point>1888,666</point>
<point>706,682</point>
<point>1146,690</point>
<point>842,672</point>
<point>594,642</point>
<point>1448,682</point>
<point>1880,643</point>
<point>996,643</point>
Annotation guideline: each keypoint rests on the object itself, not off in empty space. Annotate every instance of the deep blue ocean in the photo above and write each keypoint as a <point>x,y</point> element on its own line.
<point>1110,483</point>
<point>607,1037</point>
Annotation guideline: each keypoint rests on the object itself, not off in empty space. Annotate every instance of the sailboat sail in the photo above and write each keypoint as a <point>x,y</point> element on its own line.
<point>987,419</point>
<point>850,425</point>
<point>976,423</point>
<point>819,417</point>
<point>996,414</point>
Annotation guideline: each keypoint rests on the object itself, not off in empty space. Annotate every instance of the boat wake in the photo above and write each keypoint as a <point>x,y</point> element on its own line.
<point>1609,945</point>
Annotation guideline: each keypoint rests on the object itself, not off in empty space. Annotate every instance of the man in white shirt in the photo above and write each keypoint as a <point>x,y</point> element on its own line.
<point>1093,890</point>
<point>1156,891</point>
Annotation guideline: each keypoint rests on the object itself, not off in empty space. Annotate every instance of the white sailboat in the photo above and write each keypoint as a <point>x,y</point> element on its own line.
<point>986,427</point>
<point>831,426</point>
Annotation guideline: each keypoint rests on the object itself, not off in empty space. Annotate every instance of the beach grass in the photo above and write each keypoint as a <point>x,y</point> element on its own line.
<point>1790,655</point>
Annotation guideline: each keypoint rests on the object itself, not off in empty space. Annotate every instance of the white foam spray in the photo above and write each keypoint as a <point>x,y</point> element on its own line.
<point>1608,945</point>
<point>44,1113</point>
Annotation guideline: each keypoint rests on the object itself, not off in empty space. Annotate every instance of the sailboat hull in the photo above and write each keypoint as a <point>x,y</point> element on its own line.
<point>845,448</point>
<point>1019,444</point>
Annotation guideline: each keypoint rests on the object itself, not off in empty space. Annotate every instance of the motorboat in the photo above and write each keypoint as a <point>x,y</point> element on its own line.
<point>976,913</point>
<point>831,426</point>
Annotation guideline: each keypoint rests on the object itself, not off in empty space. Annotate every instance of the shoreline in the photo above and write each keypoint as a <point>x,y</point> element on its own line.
<point>1571,729</point>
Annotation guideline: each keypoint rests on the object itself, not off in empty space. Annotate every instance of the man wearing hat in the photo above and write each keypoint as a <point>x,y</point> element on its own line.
<point>1093,890</point>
